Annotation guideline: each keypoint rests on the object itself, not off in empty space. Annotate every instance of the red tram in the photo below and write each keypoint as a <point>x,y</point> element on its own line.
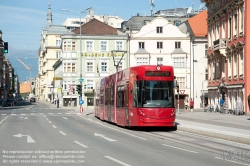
<point>138,96</point>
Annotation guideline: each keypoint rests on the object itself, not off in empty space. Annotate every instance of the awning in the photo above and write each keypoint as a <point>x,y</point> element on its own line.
<point>235,86</point>
<point>212,87</point>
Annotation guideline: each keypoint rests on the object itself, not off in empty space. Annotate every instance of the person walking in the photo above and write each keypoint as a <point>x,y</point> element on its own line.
<point>186,104</point>
<point>191,105</point>
<point>222,105</point>
<point>57,102</point>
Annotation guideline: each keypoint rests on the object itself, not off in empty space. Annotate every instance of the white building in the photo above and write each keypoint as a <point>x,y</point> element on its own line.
<point>161,42</point>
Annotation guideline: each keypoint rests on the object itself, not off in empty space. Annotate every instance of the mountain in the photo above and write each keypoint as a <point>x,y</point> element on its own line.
<point>28,57</point>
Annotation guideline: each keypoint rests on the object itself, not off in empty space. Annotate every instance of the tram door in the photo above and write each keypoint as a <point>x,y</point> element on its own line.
<point>126,102</point>
<point>108,104</point>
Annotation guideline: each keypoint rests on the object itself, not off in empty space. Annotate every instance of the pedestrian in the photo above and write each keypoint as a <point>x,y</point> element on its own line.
<point>186,104</point>
<point>191,104</point>
<point>57,102</point>
<point>222,105</point>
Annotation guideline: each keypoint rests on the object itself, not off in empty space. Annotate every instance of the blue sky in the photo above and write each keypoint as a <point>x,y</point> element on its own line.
<point>21,21</point>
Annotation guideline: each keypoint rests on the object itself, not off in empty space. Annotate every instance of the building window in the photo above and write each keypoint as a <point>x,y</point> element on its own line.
<point>90,84</point>
<point>58,42</point>
<point>158,29</point>
<point>181,81</point>
<point>69,46</point>
<point>241,20</point>
<point>67,84</point>
<point>159,45</point>
<point>90,102</point>
<point>159,61</point>
<point>141,45</point>
<point>235,65</point>
<point>241,64</point>
<point>230,28</point>
<point>104,66</point>
<point>103,46</point>
<point>90,66</point>
<point>235,23</point>
<point>206,74</point>
<point>58,55</point>
<point>89,45</point>
<point>69,67</point>
<point>119,45</point>
<point>179,62</point>
<point>142,61</point>
<point>177,44</point>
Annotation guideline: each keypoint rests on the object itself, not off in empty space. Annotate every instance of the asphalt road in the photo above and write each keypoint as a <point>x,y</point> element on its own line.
<point>38,135</point>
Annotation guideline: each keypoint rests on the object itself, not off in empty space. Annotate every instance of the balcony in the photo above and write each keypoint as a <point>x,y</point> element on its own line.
<point>220,45</point>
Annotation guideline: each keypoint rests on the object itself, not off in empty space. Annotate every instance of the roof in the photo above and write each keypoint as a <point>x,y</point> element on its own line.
<point>136,22</point>
<point>198,24</point>
<point>96,27</point>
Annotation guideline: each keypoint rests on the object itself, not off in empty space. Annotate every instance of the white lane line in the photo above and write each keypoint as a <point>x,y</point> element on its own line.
<point>41,113</point>
<point>50,113</point>
<point>180,148</point>
<point>116,129</point>
<point>231,161</point>
<point>62,133</point>
<point>50,122</point>
<point>13,114</point>
<point>59,113</point>
<point>67,113</point>
<point>118,161</point>
<point>4,119</point>
<point>64,118</point>
<point>3,114</point>
<point>80,144</point>
<point>54,126</point>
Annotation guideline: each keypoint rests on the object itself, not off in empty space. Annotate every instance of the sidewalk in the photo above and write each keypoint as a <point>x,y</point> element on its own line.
<point>224,126</point>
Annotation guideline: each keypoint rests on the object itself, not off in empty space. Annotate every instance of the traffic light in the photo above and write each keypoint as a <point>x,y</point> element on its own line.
<point>79,89</point>
<point>5,47</point>
<point>177,88</point>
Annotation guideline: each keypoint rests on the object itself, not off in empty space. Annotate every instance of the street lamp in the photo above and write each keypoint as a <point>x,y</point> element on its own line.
<point>80,13</point>
<point>193,68</point>
<point>115,51</point>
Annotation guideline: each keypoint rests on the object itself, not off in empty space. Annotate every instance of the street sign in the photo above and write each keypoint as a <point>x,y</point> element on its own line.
<point>182,91</point>
<point>81,102</point>
<point>80,79</point>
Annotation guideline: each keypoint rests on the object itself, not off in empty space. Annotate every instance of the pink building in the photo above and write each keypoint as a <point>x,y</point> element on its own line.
<point>228,53</point>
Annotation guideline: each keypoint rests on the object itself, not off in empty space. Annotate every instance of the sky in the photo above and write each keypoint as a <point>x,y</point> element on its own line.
<point>22,21</point>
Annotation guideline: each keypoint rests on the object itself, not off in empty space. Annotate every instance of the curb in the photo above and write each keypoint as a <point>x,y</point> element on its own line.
<point>240,138</point>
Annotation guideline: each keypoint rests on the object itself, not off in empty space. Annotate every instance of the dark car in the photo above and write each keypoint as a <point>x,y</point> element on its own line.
<point>10,102</point>
<point>32,99</point>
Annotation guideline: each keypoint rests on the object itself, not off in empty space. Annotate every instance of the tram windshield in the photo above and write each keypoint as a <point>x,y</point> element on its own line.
<point>153,94</point>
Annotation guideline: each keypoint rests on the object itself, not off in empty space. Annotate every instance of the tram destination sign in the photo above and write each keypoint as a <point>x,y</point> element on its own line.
<point>157,73</point>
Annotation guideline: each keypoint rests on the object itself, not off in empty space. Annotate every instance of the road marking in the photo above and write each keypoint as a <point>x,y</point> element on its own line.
<point>3,114</point>
<point>4,119</point>
<point>13,114</point>
<point>59,113</point>
<point>22,114</point>
<point>41,113</point>
<point>100,135</point>
<point>64,118</point>
<point>29,139</point>
<point>180,148</point>
<point>116,129</point>
<point>80,144</point>
<point>50,113</point>
<point>62,133</point>
<point>50,122</point>
<point>54,126</point>
<point>118,161</point>
<point>231,161</point>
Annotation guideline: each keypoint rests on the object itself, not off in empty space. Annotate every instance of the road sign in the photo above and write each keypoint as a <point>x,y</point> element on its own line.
<point>81,109</point>
<point>182,91</point>
<point>80,79</point>
<point>81,102</point>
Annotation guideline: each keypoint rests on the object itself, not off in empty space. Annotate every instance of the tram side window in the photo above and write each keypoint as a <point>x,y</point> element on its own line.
<point>107,98</point>
<point>112,95</point>
<point>101,97</point>
<point>120,96</point>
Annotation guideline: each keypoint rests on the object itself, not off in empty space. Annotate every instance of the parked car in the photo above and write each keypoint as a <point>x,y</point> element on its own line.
<point>10,102</point>
<point>33,99</point>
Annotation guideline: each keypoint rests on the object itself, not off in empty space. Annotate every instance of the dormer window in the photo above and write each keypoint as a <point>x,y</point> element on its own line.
<point>159,30</point>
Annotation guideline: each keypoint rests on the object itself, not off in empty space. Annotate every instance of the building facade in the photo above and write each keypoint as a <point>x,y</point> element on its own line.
<point>94,53</point>
<point>228,50</point>
<point>48,54</point>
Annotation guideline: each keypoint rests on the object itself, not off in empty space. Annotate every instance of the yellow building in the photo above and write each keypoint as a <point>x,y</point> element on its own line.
<point>25,87</point>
